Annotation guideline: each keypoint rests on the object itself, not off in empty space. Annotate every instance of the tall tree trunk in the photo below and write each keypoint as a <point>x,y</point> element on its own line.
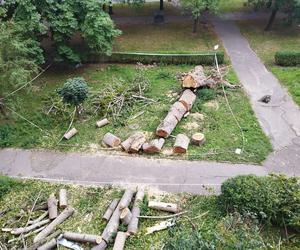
<point>195,25</point>
<point>161,5</point>
<point>110,8</point>
<point>271,20</point>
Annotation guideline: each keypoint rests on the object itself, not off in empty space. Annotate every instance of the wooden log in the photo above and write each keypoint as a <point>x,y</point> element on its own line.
<point>111,140</point>
<point>181,144</point>
<point>111,208</point>
<point>126,199</point>
<point>120,241</point>
<point>95,239</point>
<point>43,216</point>
<point>23,230</point>
<point>160,226</point>
<point>187,99</point>
<point>134,223</point>
<point>195,78</point>
<point>178,109</point>
<point>163,206</point>
<point>52,207</point>
<point>48,245</point>
<point>154,146</point>
<point>126,216</point>
<point>70,133</point>
<point>133,143</point>
<point>42,241</point>
<point>101,246</point>
<point>198,139</point>
<point>102,123</point>
<point>63,201</point>
<point>51,227</point>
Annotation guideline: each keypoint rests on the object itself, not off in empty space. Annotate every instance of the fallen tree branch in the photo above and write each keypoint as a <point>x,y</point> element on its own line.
<point>163,216</point>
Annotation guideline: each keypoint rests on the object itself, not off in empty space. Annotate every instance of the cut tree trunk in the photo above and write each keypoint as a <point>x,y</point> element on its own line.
<point>63,201</point>
<point>162,206</point>
<point>198,139</point>
<point>126,199</point>
<point>134,223</point>
<point>101,246</point>
<point>43,241</point>
<point>52,207</point>
<point>102,123</point>
<point>51,227</point>
<point>120,241</point>
<point>195,78</point>
<point>126,216</point>
<point>111,208</point>
<point>195,25</point>
<point>181,144</point>
<point>48,245</point>
<point>178,110</point>
<point>154,146</point>
<point>111,140</point>
<point>134,143</point>
<point>23,230</point>
<point>95,239</point>
<point>70,133</point>
<point>187,99</point>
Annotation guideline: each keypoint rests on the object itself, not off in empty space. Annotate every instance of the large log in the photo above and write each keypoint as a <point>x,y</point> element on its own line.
<point>181,144</point>
<point>120,241</point>
<point>23,230</point>
<point>63,201</point>
<point>51,227</point>
<point>195,78</point>
<point>134,223</point>
<point>70,133</point>
<point>126,216</point>
<point>126,198</point>
<point>48,245</point>
<point>111,208</point>
<point>43,241</point>
<point>154,146</point>
<point>167,126</point>
<point>95,239</point>
<point>52,207</point>
<point>187,99</point>
<point>163,206</point>
<point>102,123</point>
<point>134,143</point>
<point>111,140</point>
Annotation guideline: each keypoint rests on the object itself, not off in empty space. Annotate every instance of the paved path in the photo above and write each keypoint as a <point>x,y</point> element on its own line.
<point>280,119</point>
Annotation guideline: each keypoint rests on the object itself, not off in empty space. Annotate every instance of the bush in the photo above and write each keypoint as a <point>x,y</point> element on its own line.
<point>273,198</point>
<point>74,91</point>
<point>287,58</point>
<point>147,58</point>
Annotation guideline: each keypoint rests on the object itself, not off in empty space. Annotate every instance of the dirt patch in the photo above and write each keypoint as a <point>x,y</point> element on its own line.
<point>167,151</point>
<point>191,126</point>
<point>197,116</point>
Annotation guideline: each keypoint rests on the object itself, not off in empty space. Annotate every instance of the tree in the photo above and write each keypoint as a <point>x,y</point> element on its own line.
<point>198,7</point>
<point>290,7</point>
<point>74,92</point>
<point>60,21</point>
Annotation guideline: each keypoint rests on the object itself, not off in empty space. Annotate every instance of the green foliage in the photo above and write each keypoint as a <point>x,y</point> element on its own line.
<point>198,7</point>
<point>75,91</point>
<point>287,58</point>
<point>60,21</point>
<point>273,198</point>
<point>147,58</point>
<point>6,184</point>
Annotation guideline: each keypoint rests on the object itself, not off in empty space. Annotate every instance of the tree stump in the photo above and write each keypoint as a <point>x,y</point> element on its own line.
<point>198,139</point>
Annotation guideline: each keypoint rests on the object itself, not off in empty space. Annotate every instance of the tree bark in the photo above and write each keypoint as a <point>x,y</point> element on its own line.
<point>63,201</point>
<point>70,133</point>
<point>120,241</point>
<point>44,215</point>
<point>126,216</point>
<point>101,246</point>
<point>126,199</point>
<point>52,207</point>
<point>23,230</point>
<point>154,146</point>
<point>181,144</point>
<point>111,208</point>
<point>134,223</point>
<point>271,19</point>
<point>187,99</point>
<point>48,245</point>
<point>195,78</point>
<point>162,206</point>
<point>134,143</point>
<point>95,239</point>
<point>111,140</point>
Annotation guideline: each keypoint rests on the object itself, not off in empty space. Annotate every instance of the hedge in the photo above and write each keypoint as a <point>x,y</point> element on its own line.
<point>287,58</point>
<point>147,58</point>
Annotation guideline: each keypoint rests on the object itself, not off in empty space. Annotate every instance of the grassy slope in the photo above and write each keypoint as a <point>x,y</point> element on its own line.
<point>233,5</point>
<point>223,136</point>
<point>170,37</point>
<point>91,203</point>
<point>267,43</point>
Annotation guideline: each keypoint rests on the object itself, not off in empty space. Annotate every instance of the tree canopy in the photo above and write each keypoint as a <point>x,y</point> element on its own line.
<point>59,21</point>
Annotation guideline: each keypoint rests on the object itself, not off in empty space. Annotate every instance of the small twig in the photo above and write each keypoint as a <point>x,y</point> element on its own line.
<point>163,216</point>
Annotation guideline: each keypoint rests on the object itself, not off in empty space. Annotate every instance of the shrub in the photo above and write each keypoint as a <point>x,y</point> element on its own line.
<point>287,58</point>
<point>74,91</point>
<point>273,198</point>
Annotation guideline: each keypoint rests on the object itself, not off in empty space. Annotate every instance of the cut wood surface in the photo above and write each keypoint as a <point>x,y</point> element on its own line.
<point>163,206</point>
<point>154,146</point>
<point>51,227</point>
<point>48,245</point>
<point>198,139</point>
<point>134,222</point>
<point>111,208</point>
<point>126,198</point>
<point>52,207</point>
<point>160,226</point>
<point>111,140</point>
<point>78,237</point>
<point>181,144</point>
<point>187,99</point>
<point>63,201</point>
<point>120,241</point>
<point>134,143</point>
<point>126,216</point>
<point>70,133</point>
<point>23,230</point>
<point>195,78</point>
<point>102,123</point>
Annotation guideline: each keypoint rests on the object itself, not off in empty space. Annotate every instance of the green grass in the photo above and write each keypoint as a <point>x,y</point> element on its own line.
<point>170,37</point>
<point>265,44</point>
<point>233,6</point>
<point>222,133</point>
<point>214,227</point>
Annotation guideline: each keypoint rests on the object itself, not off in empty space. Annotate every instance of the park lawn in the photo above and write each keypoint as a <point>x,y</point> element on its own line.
<point>227,6</point>
<point>266,44</point>
<point>171,38</point>
<point>213,228</point>
<point>222,133</point>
